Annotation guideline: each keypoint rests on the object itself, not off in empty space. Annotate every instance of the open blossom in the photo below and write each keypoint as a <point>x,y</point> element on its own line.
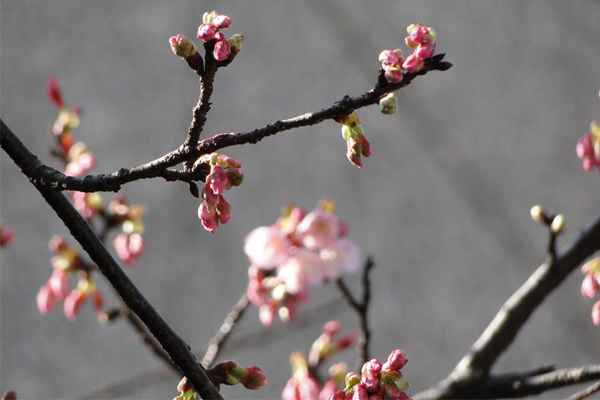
<point>300,250</point>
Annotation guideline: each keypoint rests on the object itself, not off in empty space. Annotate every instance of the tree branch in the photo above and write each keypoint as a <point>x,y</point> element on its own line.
<point>177,349</point>
<point>587,392</point>
<point>215,345</point>
<point>362,310</point>
<point>43,175</point>
<point>474,368</point>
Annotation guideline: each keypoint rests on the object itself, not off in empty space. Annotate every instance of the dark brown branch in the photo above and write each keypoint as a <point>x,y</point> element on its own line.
<point>475,367</point>
<point>362,311</point>
<point>585,393</point>
<point>216,344</point>
<point>43,175</point>
<point>177,349</point>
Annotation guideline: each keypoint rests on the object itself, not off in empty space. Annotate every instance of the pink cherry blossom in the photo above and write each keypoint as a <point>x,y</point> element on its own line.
<point>425,49</point>
<point>218,180</point>
<point>302,269</point>
<point>221,50</point>
<point>223,209</point>
<point>328,390</point>
<point>396,360</point>
<point>221,21</point>
<point>360,393</point>
<point>6,236</point>
<point>267,247</point>
<point>413,63</point>
<point>342,256</point>
<point>318,229</point>
<point>267,313</point>
<point>60,284</point>
<point>45,299</point>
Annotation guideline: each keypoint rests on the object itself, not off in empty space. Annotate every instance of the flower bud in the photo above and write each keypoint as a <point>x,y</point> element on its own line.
<point>396,360</point>
<point>53,92</point>
<point>45,299</point>
<point>235,42</point>
<point>596,313</point>
<point>6,235</point>
<point>60,284</point>
<point>206,32</point>
<point>221,21</point>
<point>388,104</point>
<point>360,393</point>
<point>557,224</point>
<point>182,46</point>
<point>221,50</point>
<point>425,50</point>
<point>413,63</point>
<point>351,379</point>
<point>537,213</point>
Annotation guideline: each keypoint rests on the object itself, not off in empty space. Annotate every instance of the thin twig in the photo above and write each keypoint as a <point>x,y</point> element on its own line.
<point>44,175</point>
<point>474,368</point>
<point>216,344</point>
<point>361,309</point>
<point>177,349</point>
<point>585,393</point>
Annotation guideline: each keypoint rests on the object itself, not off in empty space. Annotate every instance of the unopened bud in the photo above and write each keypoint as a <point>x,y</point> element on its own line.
<point>388,104</point>
<point>557,224</point>
<point>182,46</point>
<point>537,213</point>
<point>236,42</point>
<point>352,379</point>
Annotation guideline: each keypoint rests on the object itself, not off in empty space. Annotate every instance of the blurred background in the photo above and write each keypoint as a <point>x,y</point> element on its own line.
<point>442,204</point>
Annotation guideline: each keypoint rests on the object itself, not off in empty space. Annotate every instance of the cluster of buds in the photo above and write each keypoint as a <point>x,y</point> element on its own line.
<point>303,385</point>
<point>227,373</point>
<point>590,286</point>
<point>377,381</point>
<point>224,174</point>
<point>422,40</point>
<point>356,143</point>
<point>554,222</point>
<point>588,148</point>
<point>298,251</point>
<point>77,158</point>
<point>58,288</point>
<point>6,235</point>
<point>129,244</point>
<point>223,49</point>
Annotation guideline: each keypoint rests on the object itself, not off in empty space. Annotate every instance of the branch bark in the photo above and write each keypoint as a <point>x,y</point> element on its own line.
<point>473,370</point>
<point>178,350</point>
<point>46,176</point>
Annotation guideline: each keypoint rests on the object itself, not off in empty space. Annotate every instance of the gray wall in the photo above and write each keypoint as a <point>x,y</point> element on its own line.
<point>442,204</point>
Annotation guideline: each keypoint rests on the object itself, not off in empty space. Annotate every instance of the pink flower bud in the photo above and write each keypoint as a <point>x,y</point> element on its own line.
<point>413,63</point>
<point>393,75</point>
<point>360,393</point>
<point>221,50</point>
<point>419,33</point>
<point>391,391</point>
<point>73,302</point>
<point>221,21</point>
<point>224,210</point>
<point>585,146</point>
<point>372,367</point>
<point>45,299</point>
<point>390,57</point>
<point>206,32</point>
<point>596,313</point>
<point>98,301</point>
<point>218,179</point>
<point>257,293</point>
<point>339,395</point>
<point>404,396</point>
<point>425,49</point>
<point>60,284</point>
<point>396,360</point>
<point>252,378</point>
<point>590,285</point>
<point>182,46</point>
<point>365,146</point>
<point>53,93</point>
<point>331,328</point>
<point>370,383</point>
<point>136,245</point>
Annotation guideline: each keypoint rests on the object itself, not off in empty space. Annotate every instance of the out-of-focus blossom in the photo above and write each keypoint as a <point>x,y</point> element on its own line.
<point>6,235</point>
<point>129,247</point>
<point>88,204</point>
<point>81,160</point>
<point>45,299</point>
<point>590,286</point>
<point>327,344</point>
<point>300,250</point>
<point>588,148</point>
<point>129,244</point>
<point>53,93</point>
